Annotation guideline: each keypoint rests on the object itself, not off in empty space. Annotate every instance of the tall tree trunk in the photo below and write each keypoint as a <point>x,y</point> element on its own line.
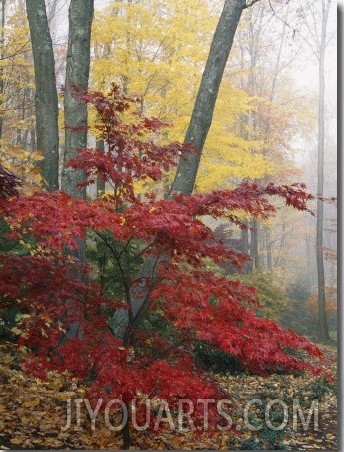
<point>77,75</point>
<point>75,111</point>
<point>315,16</point>
<point>207,94</point>
<point>46,93</point>
<point>322,314</point>
<point>196,133</point>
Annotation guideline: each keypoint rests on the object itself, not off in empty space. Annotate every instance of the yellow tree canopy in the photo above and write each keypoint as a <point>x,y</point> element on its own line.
<point>17,118</point>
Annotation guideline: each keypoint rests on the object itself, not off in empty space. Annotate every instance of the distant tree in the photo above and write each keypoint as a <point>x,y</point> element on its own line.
<point>315,18</point>
<point>269,123</point>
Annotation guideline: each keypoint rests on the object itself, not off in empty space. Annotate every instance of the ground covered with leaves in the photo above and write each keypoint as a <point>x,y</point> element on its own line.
<point>33,413</point>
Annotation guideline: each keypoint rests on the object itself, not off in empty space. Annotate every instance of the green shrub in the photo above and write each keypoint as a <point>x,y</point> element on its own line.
<point>273,300</point>
<point>8,320</point>
<point>216,360</point>
<point>266,438</point>
<point>316,389</point>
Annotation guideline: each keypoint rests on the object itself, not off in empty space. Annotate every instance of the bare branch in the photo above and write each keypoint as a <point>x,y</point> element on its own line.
<point>16,52</point>
<point>251,3</point>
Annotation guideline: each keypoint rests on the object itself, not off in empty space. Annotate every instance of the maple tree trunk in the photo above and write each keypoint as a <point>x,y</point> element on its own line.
<point>100,187</point>
<point>196,133</point>
<point>77,75</point>
<point>46,93</point>
<point>100,183</point>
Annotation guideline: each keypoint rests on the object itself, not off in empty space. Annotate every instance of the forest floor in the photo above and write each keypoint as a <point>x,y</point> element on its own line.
<point>32,413</point>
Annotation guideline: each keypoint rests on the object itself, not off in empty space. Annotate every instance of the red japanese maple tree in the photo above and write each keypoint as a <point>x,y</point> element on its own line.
<point>196,303</point>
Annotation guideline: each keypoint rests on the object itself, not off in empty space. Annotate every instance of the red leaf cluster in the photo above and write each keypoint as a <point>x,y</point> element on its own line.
<point>197,303</point>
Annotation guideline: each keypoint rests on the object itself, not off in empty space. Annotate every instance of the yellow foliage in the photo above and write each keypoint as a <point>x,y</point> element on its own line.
<point>17,119</point>
<point>23,164</point>
<point>330,302</point>
<point>155,50</point>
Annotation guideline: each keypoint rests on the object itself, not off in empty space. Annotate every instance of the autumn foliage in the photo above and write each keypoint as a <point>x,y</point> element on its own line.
<point>194,302</point>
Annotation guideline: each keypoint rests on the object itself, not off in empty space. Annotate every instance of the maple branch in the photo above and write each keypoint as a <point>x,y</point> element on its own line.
<point>143,303</point>
<point>141,253</point>
<point>125,247</point>
<point>133,319</point>
<point>126,285</point>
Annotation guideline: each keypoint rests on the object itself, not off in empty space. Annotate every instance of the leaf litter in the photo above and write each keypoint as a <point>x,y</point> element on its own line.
<point>32,413</point>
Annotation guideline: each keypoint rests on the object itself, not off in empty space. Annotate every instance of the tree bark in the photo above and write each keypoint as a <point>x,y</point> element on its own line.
<point>207,94</point>
<point>124,320</point>
<point>77,75</point>
<point>46,92</point>
<point>75,111</point>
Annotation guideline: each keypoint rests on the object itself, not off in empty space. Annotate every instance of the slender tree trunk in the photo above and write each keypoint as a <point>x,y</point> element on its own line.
<point>315,16</point>
<point>207,94</point>
<point>33,139</point>
<point>100,182</point>
<point>255,244</point>
<point>196,133</point>
<point>245,247</point>
<point>77,75</point>
<point>126,441</point>
<point>268,250</point>
<point>46,94</point>
<point>52,10</point>
<point>101,256</point>
<point>322,314</point>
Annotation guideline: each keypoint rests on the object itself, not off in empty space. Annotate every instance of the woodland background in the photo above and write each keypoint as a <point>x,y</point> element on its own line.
<point>274,123</point>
